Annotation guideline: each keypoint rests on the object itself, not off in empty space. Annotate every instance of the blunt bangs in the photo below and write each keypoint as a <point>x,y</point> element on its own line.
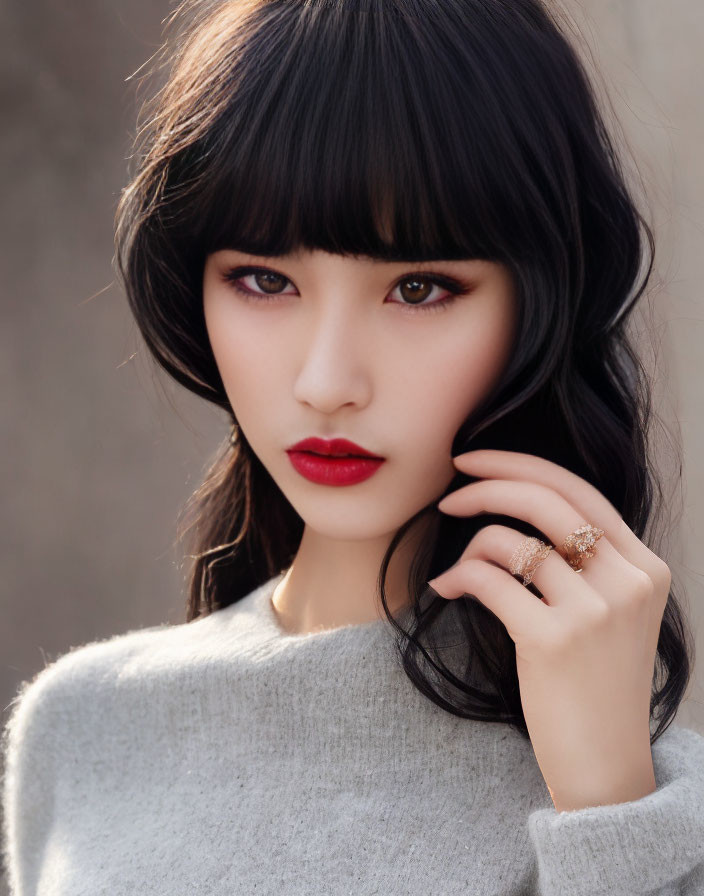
<point>351,129</point>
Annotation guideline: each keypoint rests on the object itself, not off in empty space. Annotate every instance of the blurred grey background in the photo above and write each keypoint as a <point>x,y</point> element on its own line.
<point>100,454</point>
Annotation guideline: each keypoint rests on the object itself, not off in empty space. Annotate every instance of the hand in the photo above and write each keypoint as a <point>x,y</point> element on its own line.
<point>585,653</point>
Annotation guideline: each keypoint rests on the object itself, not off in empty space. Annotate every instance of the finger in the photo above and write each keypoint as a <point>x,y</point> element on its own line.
<point>582,495</point>
<point>554,577</point>
<point>494,587</point>
<point>536,504</point>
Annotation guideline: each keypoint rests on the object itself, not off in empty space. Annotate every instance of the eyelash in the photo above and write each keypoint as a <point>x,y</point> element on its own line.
<point>456,288</point>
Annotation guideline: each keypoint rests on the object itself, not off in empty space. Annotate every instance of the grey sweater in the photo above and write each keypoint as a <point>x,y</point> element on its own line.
<point>225,756</point>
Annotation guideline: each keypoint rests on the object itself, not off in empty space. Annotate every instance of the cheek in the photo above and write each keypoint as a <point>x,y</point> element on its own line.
<point>241,356</point>
<point>456,375</point>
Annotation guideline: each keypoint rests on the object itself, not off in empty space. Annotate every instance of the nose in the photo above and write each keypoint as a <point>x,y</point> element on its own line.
<point>336,361</point>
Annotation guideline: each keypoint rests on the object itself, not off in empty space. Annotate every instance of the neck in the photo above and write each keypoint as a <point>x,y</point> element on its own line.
<point>333,583</point>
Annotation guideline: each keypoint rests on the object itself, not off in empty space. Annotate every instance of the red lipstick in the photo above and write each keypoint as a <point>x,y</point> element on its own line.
<point>333,461</point>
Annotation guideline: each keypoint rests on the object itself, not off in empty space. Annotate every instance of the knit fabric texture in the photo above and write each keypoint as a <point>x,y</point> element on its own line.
<point>226,756</point>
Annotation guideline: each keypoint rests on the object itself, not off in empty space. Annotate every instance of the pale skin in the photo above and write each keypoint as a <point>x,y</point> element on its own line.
<point>338,353</point>
<point>341,351</point>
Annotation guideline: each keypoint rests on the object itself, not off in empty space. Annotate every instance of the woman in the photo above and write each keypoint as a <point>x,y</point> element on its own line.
<point>316,182</point>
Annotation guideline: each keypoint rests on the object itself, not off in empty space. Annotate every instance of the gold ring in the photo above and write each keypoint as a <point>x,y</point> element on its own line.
<point>527,557</point>
<point>579,545</point>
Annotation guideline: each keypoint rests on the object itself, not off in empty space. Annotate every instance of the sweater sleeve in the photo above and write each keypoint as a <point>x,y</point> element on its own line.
<point>653,846</point>
<point>44,749</point>
<point>28,778</point>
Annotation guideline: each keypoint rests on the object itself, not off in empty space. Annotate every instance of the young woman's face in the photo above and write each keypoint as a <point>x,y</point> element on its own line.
<point>336,346</point>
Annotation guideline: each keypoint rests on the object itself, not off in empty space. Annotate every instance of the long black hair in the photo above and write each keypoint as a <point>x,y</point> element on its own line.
<point>403,130</point>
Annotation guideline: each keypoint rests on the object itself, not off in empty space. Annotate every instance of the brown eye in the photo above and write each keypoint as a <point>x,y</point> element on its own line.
<point>269,281</point>
<point>263,283</point>
<point>418,292</point>
<point>415,289</point>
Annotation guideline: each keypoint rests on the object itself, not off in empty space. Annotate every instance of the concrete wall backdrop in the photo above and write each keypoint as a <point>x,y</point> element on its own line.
<point>99,454</point>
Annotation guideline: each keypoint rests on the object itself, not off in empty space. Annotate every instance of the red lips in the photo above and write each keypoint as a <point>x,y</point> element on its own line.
<point>332,448</point>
